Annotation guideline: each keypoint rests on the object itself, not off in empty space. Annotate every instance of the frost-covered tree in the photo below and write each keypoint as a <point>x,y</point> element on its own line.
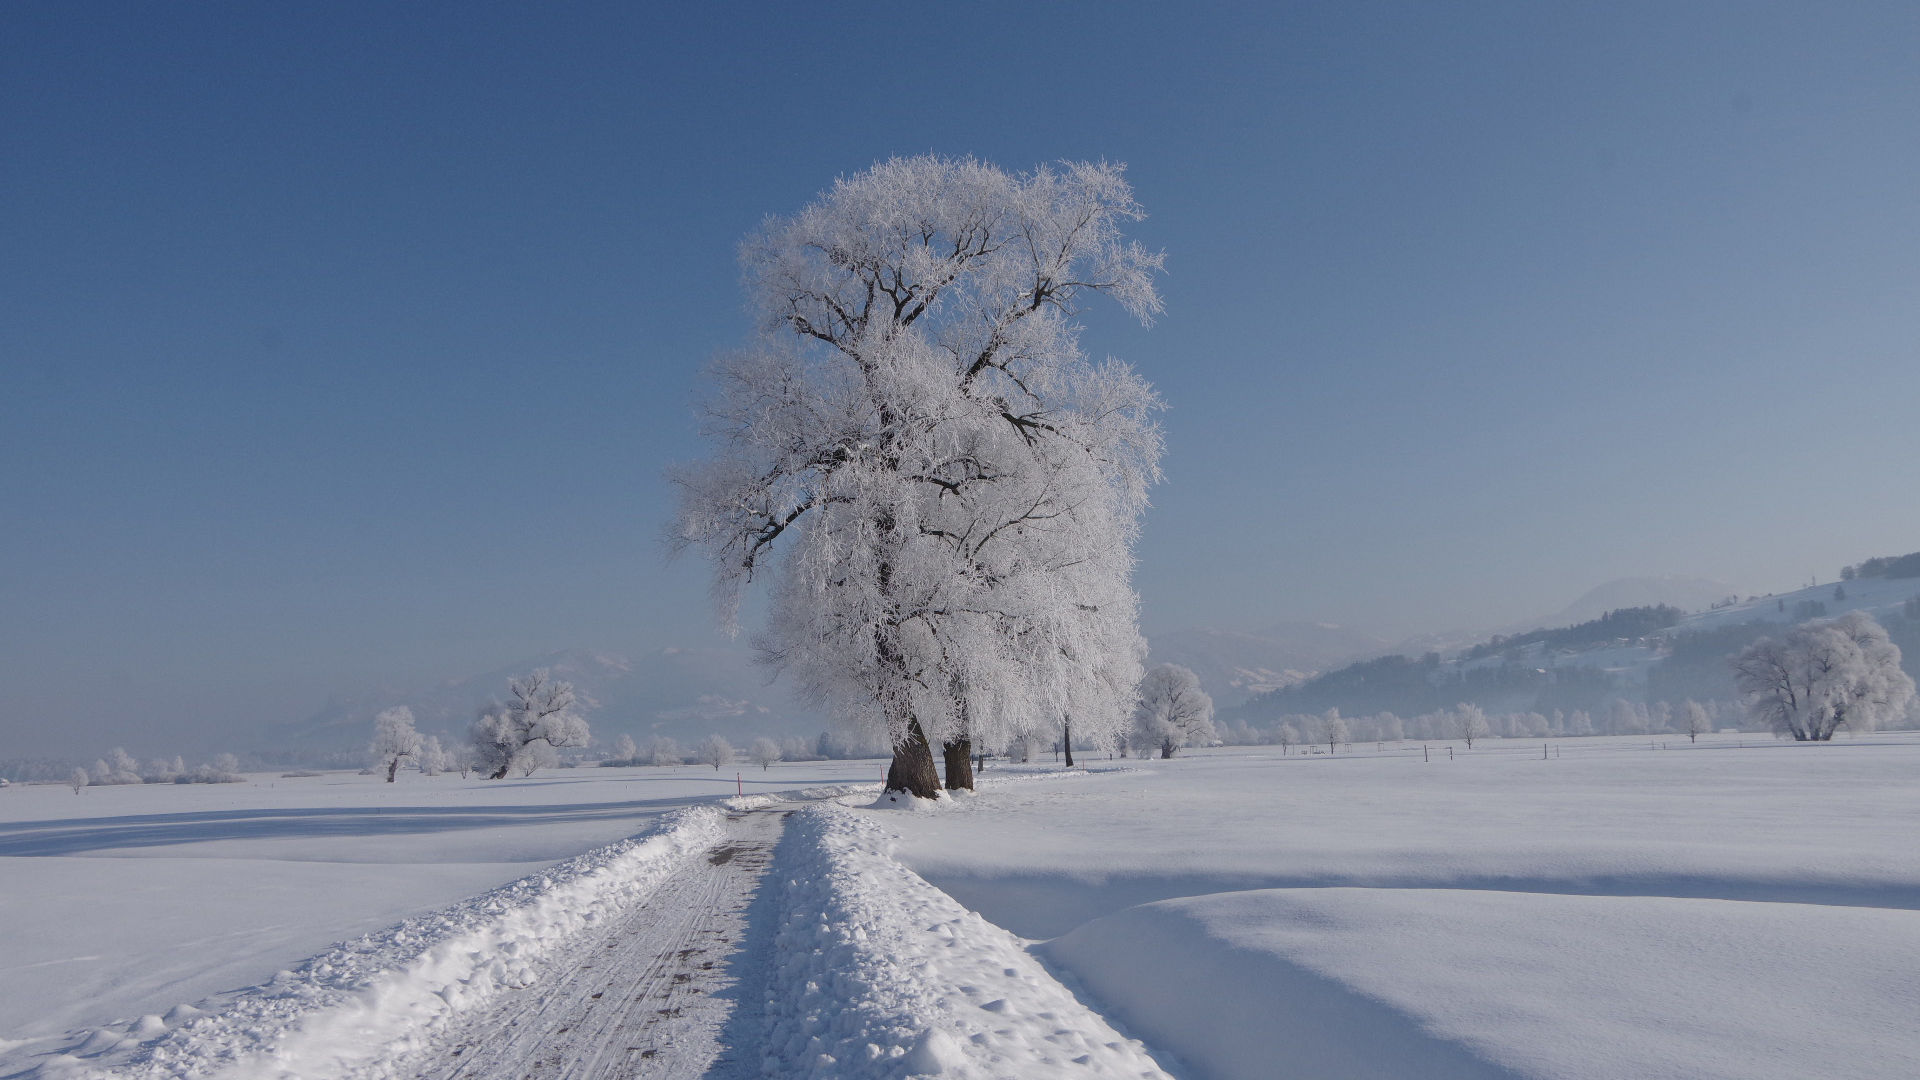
<point>1333,729</point>
<point>624,750</point>
<point>1822,676</point>
<point>1694,716</point>
<point>1173,711</point>
<point>434,758</point>
<point>662,750</point>
<point>540,713</point>
<point>118,767</point>
<point>1470,723</point>
<point>764,752</point>
<point>714,750</point>
<point>394,739</point>
<point>945,488</point>
<point>1287,735</point>
<point>78,779</point>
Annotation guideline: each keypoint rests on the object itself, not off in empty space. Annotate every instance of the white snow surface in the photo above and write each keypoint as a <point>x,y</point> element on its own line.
<point>1596,909</point>
<point>352,1009</point>
<point>122,902</point>
<point>878,974</point>
<point>1345,984</point>
<point>1587,910</point>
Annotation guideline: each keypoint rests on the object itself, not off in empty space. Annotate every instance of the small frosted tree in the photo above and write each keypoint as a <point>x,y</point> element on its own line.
<point>624,750</point>
<point>118,767</point>
<point>1470,723</point>
<point>1288,735</point>
<point>434,758</point>
<point>764,752</point>
<point>662,750</point>
<point>1173,711</point>
<point>540,713</point>
<point>714,750</point>
<point>394,739</point>
<point>1694,716</point>
<point>1333,729</point>
<point>1823,676</point>
<point>78,779</point>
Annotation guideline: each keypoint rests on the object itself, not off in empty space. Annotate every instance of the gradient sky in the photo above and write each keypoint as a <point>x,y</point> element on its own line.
<point>342,347</point>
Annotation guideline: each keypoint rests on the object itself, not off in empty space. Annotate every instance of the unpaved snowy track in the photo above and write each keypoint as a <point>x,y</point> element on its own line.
<point>645,996</point>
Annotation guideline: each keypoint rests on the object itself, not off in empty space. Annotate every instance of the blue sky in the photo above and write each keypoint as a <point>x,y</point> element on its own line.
<point>342,347</point>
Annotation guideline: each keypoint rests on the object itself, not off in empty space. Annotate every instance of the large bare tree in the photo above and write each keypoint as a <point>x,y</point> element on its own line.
<point>946,488</point>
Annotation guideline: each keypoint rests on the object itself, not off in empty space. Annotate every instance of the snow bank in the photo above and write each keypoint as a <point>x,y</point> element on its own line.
<point>1455,984</point>
<point>349,1011</point>
<point>876,973</point>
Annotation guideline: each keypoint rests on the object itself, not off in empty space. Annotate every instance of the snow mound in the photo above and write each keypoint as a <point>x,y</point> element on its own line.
<point>878,974</point>
<point>352,1010</point>
<point>1455,984</point>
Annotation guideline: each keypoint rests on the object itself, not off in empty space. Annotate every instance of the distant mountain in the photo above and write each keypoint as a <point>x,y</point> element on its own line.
<point>1234,665</point>
<point>683,693</point>
<point>1689,594</point>
<point>1644,655</point>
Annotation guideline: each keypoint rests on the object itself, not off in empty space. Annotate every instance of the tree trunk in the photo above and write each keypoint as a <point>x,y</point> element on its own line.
<point>501,772</point>
<point>959,755</point>
<point>1066,740</point>
<point>1166,748</point>
<point>392,767</point>
<point>912,770</point>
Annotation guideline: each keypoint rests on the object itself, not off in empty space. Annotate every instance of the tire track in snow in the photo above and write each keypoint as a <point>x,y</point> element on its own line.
<point>645,995</point>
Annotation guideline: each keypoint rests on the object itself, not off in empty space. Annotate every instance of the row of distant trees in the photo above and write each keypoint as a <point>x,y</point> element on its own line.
<point>120,767</point>
<point>1467,722</point>
<point>541,717</point>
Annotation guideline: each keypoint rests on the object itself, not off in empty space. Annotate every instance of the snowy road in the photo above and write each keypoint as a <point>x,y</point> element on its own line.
<point>645,995</point>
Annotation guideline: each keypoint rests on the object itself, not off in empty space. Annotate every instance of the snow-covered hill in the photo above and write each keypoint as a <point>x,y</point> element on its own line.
<point>1524,670</point>
<point>1685,593</point>
<point>1234,666</point>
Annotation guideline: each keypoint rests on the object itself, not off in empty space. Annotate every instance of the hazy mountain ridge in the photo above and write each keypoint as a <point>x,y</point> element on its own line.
<point>1687,659</point>
<point>683,693</point>
<point>1236,665</point>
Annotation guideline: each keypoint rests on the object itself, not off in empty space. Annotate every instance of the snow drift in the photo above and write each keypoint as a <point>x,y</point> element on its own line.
<point>355,1008</point>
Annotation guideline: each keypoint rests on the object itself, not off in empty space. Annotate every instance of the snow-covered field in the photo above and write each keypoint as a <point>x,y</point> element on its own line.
<point>1613,908</point>
<point>123,901</point>
<point>1623,908</point>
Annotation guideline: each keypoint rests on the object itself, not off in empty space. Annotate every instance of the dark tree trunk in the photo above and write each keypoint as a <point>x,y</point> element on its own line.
<point>1166,748</point>
<point>392,767</point>
<point>959,755</point>
<point>1066,740</point>
<point>501,772</point>
<point>912,770</point>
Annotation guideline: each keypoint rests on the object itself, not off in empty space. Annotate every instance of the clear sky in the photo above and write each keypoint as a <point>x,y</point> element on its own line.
<point>342,347</point>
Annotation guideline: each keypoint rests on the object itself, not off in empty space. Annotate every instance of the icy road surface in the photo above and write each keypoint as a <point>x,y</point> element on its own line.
<point>646,994</point>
